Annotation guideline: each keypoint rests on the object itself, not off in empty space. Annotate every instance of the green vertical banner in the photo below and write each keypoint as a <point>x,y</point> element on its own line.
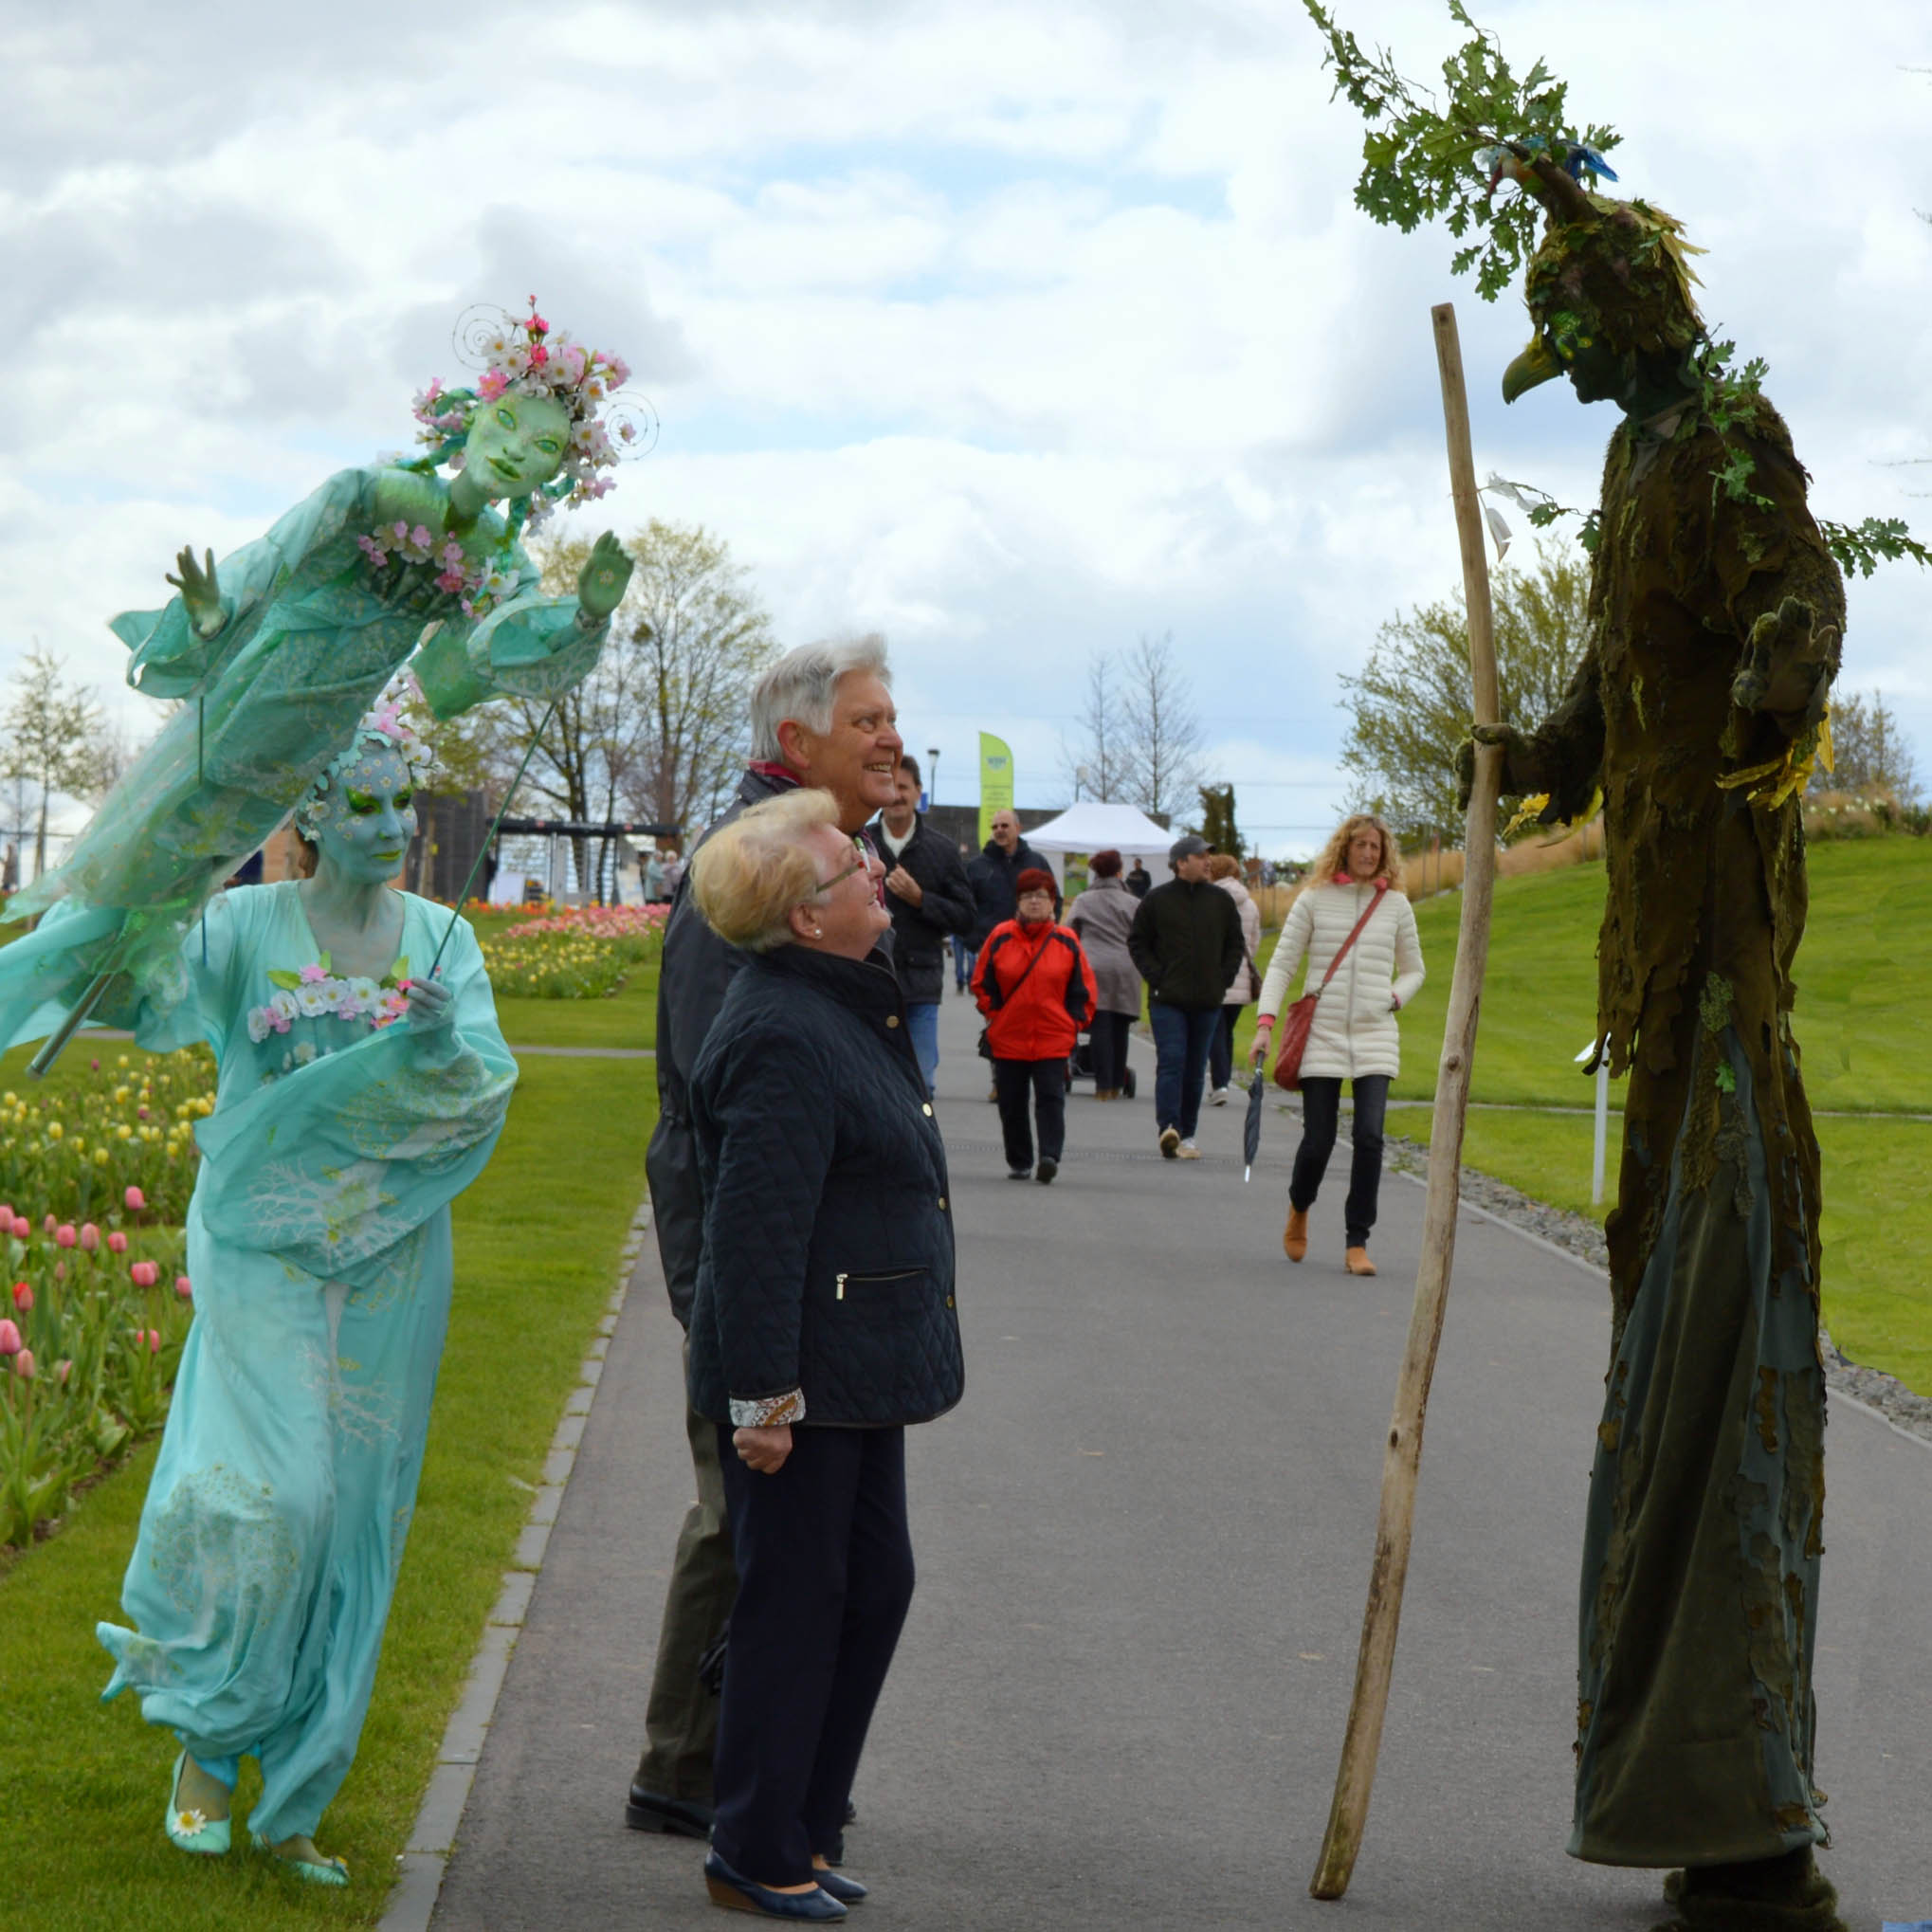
<point>996,781</point>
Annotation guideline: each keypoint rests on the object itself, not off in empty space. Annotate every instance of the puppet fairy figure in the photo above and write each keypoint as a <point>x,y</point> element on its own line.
<point>1698,711</point>
<point>277,650</point>
<point>353,1102</point>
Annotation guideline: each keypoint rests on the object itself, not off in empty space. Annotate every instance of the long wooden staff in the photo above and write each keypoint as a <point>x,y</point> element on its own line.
<point>1402,1458</point>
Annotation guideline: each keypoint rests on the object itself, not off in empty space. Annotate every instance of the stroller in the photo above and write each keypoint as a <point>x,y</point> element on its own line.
<point>1080,1066</point>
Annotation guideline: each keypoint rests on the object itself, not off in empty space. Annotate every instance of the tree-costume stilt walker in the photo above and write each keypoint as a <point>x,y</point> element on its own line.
<point>1715,615</point>
<point>354,1102</point>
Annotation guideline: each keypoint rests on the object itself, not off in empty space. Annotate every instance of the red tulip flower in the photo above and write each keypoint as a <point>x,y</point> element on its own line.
<point>23,1297</point>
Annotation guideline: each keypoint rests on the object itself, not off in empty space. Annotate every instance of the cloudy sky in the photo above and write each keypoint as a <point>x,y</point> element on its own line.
<point>1012,331</point>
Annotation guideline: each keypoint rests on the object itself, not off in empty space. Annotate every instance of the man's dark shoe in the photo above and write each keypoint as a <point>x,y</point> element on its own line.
<point>651,1811</point>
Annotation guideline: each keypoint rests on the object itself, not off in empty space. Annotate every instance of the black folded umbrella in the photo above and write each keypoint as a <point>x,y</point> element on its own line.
<point>1250,1129</point>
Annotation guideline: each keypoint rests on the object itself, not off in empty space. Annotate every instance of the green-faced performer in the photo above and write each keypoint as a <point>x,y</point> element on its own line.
<point>1715,615</point>
<point>276,652</point>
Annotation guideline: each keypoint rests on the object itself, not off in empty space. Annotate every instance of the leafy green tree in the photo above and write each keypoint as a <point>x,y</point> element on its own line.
<point>1217,820</point>
<point>54,738</point>
<point>1869,750</point>
<point>1411,703</point>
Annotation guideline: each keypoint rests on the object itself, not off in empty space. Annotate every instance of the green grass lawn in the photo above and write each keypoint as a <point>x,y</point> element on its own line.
<point>536,1244</point>
<point>1859,1022</point>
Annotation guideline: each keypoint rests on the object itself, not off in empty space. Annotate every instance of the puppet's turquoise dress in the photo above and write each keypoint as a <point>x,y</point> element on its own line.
<point>319,1247</point>
<point>314,629</point>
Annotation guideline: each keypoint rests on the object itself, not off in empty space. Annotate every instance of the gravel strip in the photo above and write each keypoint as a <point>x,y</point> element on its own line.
<point>1583,1238</point>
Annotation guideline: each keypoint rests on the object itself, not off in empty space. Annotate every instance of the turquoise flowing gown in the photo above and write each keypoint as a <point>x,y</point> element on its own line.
<point>318,1245</point>
<point>314,629</point>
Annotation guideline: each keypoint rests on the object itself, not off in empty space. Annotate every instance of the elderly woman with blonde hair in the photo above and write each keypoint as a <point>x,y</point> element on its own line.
<point>823,1325</point>
<point>1357,930</point>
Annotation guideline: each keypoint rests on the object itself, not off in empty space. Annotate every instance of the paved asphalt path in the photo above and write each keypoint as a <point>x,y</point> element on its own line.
<point>1143,1540</point>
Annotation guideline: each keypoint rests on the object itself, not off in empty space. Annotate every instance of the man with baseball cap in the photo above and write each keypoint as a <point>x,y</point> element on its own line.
<point>1186,941</point>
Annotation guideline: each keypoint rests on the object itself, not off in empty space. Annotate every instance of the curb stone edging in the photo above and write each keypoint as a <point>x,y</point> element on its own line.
<point>421,1864</point>
<point>1578,1239</point>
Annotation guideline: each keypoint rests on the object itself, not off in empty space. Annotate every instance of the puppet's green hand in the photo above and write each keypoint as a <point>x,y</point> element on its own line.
<point>201,592</point>
<point>1787,664</point>
<point>603,580</point>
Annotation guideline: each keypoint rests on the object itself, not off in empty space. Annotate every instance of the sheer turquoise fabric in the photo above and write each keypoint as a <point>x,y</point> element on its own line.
<point>314,632</point>
<point>319,1247</point>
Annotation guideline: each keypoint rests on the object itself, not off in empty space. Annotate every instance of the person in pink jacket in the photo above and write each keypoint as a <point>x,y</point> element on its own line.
<point>1354,1037</point>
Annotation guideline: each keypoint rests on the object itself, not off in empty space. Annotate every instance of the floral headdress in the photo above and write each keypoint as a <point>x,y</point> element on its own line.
<point>382,729</point>
<point>524,356</point>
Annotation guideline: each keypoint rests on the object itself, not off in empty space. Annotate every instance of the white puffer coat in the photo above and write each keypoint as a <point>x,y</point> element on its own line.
<point>1355,1024</point>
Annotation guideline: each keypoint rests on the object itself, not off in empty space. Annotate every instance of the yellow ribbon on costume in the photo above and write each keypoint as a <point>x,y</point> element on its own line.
<point>1790,775</point>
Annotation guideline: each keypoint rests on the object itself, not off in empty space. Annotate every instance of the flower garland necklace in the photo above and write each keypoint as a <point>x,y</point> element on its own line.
<point>476,583</point>
<point>315,993</point>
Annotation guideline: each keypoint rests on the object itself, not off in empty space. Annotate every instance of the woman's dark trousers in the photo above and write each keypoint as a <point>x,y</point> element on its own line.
<point>1221,1055</point>
<point>1110,1050</point>
<point>1320,1111</point>
<point>824,1580</point>
<point>1046,1081</point>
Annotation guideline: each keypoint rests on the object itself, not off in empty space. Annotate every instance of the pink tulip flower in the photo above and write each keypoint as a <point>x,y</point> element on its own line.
<point>144,1274</point>
<point>93,1066</point>
<point>23,1365</point>
<point>153,1341</point>
<point>60,1271</point>
<point>61,1371</point>
<point>116,1242</point>
<point>6,1213</point>
<point>10,1336</point>
<point>48,1225</point>
<point>90,1236</point>
<point>136,1200</point>
<point>22,1226</point>
<point>64,1236</point>
<point>23,1297</point>
<point>184,1288</point>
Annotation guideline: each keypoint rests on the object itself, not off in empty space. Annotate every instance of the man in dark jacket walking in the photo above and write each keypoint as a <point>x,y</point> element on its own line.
<point>1004,857</point>
<point>822,715</point>
<point>1186,941</point>
<point>929,897</point>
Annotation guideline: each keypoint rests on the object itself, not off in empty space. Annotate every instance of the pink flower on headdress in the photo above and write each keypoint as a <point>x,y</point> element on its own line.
<point>538,355</point>
<point>493,384</point>
<point>312,974</point>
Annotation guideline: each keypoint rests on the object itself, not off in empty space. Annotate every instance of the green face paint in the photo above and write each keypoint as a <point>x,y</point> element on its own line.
<point>515,444</point>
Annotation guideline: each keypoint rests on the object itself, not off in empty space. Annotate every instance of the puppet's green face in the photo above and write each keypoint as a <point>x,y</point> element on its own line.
<point>1568,344</point>
<point>515,444</point>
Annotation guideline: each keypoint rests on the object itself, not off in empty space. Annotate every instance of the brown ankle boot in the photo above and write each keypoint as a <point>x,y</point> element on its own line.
<point>1295,1235</point>
<point>1357,1262</point>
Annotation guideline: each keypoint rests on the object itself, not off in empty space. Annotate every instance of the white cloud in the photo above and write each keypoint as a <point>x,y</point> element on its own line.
<point>1014,331</point>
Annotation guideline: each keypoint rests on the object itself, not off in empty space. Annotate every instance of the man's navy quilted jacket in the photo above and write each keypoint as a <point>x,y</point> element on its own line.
<point>827,1261</point>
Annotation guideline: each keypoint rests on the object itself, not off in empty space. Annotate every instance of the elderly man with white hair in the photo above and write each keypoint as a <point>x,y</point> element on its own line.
<point>822,716</point>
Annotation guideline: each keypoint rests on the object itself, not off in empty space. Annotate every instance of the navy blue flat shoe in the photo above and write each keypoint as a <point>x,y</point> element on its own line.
<point>847,1891</point>
<point>739,1894</point>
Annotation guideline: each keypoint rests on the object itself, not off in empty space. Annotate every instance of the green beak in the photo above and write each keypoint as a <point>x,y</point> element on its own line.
<point>1535,365</point>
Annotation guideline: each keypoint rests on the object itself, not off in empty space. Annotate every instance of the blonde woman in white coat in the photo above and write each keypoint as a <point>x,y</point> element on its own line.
<point>1353,1036</point>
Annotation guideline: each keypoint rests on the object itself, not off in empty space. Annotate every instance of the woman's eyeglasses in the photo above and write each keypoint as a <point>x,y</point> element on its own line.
<point>862,860</point>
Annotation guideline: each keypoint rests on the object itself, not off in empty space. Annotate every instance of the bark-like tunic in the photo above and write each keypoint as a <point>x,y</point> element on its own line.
<point>1701,1545</point>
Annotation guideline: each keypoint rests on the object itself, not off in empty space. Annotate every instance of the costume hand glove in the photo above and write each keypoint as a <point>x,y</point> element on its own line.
<point>603,580</point>
<point>1787,664</point>
<point>430,1007</point>
<point>201,592</point>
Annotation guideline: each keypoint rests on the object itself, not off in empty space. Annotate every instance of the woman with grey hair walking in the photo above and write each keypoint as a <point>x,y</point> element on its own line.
<point>1357,930</point>
<point>824,1324</point>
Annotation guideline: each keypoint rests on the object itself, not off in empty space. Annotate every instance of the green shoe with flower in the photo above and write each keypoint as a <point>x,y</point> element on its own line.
<point>190,1825</point>
<point>300,1857</point>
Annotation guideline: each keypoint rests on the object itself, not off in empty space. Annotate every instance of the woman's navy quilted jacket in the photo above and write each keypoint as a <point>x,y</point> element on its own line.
<point>828,1262</point>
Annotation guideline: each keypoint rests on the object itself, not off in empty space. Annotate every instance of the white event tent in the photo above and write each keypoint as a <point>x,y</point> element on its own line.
<point>1092,826</point>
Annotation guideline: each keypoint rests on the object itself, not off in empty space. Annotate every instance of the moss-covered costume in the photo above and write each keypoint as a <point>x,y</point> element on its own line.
<point>1716,615</point>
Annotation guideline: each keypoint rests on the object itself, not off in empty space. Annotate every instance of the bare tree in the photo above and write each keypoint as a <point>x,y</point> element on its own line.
<point>53,739</point>
<point>1870,748</point>
<point>1162,736</point>
<point>1095,762</point>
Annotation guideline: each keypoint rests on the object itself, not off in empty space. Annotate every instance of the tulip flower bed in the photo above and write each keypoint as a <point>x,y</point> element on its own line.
<point>579,952</point>
<point>91,1330</point>
<point>74,1146</point>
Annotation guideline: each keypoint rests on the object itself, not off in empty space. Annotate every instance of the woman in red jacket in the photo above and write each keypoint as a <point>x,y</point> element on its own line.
<point>1036,989</point>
